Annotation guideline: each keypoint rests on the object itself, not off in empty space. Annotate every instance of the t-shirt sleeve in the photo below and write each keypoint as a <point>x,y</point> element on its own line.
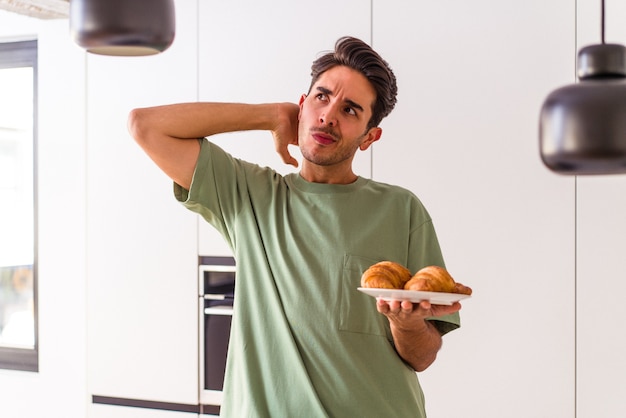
<point>213,193</point>
<point>425,251</point>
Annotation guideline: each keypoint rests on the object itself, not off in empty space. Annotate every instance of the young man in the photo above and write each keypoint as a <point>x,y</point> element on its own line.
<point>304,341</point>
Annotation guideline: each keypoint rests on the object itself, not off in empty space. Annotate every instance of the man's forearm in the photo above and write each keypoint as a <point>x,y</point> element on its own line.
<point>416,339</point>
<point>417,346</point>
<point>197,120</point>
<point>164,131</point>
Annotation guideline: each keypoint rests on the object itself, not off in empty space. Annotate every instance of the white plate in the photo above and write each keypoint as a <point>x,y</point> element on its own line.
<point>415,296</point>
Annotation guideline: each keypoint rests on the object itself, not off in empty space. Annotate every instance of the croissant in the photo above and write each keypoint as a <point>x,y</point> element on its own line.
<point>435,279</point>
<point>385,275</point>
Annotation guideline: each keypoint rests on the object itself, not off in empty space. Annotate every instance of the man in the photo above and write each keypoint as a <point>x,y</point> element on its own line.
<point>304,341</point>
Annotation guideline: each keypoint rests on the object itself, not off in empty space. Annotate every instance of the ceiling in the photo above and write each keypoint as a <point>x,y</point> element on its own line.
<point>41,9</point>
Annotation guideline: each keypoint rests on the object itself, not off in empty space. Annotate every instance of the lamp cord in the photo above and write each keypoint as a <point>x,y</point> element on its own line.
<point>602,21</point>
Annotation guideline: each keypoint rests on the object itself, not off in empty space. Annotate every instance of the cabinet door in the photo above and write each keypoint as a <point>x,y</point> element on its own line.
<point>142,244</point>
<point>108,411</point>
<point>256,53</point>
<point>601,286</point>
<point>601,231</point>
<point>210,242</point>
<point>472,77</point>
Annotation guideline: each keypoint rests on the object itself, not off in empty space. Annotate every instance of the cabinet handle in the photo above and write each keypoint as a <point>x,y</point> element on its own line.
<point>215,296</point>
<point>219,310</point>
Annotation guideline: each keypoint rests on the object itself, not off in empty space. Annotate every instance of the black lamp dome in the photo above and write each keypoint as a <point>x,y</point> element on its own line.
<point>123,27</point>
<point>583,126</point>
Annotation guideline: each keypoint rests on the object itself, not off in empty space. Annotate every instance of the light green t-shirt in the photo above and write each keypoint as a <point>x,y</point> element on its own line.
<point>304,341</point>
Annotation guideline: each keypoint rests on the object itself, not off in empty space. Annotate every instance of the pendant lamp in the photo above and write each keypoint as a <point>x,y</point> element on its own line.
<point>582,127</point>
<point>123,27</point>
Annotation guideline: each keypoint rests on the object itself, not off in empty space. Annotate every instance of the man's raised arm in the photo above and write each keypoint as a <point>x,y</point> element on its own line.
<point>164,132</point>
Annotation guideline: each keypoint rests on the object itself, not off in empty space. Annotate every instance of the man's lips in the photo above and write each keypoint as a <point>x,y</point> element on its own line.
<point>323,138</point>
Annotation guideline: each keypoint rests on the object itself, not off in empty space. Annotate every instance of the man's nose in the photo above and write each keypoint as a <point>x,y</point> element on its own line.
<point>329,116</point>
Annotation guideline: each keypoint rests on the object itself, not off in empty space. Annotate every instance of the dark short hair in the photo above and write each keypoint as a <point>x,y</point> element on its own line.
<point>356,54</point>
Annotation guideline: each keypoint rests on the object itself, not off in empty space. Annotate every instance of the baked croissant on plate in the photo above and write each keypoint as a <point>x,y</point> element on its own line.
<point>386,275</point>
<point>435,279</point>
<point>390,275</point>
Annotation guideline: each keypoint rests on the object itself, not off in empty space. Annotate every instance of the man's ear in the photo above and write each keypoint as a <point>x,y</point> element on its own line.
<point>371,136</point>
<point>302,99</point>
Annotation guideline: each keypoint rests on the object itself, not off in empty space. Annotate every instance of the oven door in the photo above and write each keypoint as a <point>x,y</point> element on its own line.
<point>217,286</point>
<point>215,332</point>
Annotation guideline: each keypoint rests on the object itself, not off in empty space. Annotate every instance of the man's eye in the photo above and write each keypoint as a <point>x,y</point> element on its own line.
<point>350,111</point>
<point>321,96</point>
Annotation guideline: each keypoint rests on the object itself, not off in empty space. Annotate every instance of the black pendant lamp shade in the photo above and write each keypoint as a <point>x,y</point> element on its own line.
<point>123,27</point>
<point>583,126</point>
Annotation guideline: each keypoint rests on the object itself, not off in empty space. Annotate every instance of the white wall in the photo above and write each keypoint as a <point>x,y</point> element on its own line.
<point>142,252</point>
<point>15,27</point>
<point>59,388</point>
<point>538,339</point>
<point>472,78</point>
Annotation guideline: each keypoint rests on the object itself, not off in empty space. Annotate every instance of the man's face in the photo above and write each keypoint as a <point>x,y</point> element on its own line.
<point>334,116</point>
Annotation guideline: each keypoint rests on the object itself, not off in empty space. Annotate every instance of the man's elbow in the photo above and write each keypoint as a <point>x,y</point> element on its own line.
<point>136,125</point>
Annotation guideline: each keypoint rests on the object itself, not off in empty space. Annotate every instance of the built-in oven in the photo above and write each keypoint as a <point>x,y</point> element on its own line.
<point>217,287</point>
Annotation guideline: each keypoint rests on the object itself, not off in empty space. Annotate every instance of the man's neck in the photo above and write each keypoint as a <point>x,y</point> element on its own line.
<point>327,175</point>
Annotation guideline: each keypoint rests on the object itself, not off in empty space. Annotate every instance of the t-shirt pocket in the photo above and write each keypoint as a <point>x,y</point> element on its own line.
<point>357,311</point>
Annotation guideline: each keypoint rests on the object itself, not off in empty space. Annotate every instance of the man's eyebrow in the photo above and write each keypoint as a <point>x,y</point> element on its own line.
<point>348,101</point>
<point>324,90</point>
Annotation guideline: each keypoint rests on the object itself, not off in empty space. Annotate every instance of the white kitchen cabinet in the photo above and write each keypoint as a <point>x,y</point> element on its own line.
<point>472,77</point>
<point>600,289</point>
<point>210,242</point>
<point>109,411</point>
<point>141,243</point>
<point>601,265</point>
<point>269,60</point>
